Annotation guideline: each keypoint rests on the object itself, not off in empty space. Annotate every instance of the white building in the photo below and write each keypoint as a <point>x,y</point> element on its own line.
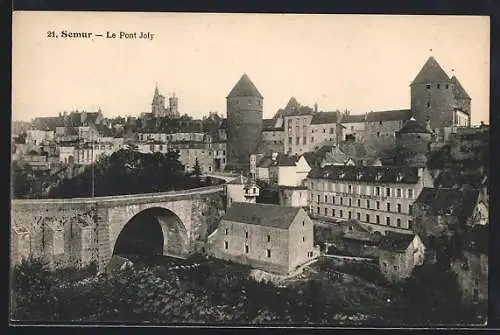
<point>288,170</point>
<point>241,189</point>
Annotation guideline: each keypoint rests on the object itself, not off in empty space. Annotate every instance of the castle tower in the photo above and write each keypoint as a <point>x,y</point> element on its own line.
<point>173,103</point>
<point>158,104</point>
<point>244,123</point>
<point>413,143</point>
<point>432,96</point>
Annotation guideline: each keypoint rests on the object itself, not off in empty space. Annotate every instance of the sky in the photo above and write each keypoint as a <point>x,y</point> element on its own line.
<point>357,62</point>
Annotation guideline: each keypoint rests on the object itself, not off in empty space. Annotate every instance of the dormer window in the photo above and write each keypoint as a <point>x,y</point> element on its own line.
<point>428,86</point>
<point>399,177</point>
<point>378,176</point>
<point>359,176</point>
<point>342,175</point>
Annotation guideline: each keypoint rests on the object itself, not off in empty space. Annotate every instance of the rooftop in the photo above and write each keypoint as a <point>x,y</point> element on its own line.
<point>447,201</point>
<point>262,214</point>
<point>412,126</point>
<point>431,72</point>
<point>395,242</point>
<point>458,89</point>
<point>367,174</point>
<point>245,88</point>
<point>389,115</point>
<point>325,117</point>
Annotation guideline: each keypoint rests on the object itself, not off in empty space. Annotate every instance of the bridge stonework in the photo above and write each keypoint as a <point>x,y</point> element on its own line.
<point>78,231</point>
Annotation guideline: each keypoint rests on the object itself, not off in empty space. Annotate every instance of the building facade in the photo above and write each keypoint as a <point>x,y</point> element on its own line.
<point>379,197</point>
<point>241,189</point>
<point>272,136</point>
<point>272,238</point>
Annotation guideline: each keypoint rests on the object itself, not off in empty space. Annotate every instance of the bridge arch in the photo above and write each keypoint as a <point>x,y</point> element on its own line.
<point>153,231</point>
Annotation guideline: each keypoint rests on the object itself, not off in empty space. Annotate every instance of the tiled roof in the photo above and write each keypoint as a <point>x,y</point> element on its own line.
<point>91,117</point>
<point>412,126</point>
<point>303,110</point>
<point>458,89</point>
<point>395,242</point>
<point>353,118</point>
<point>441,201</point>
<point>325,117</point>
<point>389,115</point>
<point>370,174</point>
<point>284,160</point>
<point>335,157</point>
<point>244,88</point>
<point>292,104</point>
<point>262,214</point>
<point>431,72</point>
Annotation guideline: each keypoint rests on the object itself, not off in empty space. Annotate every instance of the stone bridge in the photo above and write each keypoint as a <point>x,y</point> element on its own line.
<point>79,231</point>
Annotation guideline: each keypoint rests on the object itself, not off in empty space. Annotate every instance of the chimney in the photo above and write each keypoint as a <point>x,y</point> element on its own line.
<point>315,107</point>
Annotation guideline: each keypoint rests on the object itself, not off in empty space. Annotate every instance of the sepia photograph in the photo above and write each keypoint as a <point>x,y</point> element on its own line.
<point>249,170</point>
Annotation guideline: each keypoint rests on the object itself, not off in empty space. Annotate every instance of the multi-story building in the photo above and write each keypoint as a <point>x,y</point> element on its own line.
<point>272,238</point>
<point>381,128</point>
<point>379,197</point>
<point>325,128</point>
<point>353,126</point>
<point>241,189</point>
<point>297,135</point>
<point>272,136</point>
<point>437,99</point>
<point>244,123</point>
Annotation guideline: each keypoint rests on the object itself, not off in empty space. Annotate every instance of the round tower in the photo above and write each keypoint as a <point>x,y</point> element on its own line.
<point>413,143</point>
<point>432,96</point>
<point>244,123</point>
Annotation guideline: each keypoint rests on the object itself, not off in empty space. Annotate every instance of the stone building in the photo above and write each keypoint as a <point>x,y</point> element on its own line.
<point>438,99</point>
<point>399,254</point>
<point>294,196</point>
<point>354,126</point>
<point>471,268</point>
<point>272,136</point>
<point>241,189</point>
<point>413,143</point>
<point>381,128</point>
<point>272,238</point>
<point>158,109</point>
<point>379,197</point>
<point>244,123</point>
<point>325,128</point>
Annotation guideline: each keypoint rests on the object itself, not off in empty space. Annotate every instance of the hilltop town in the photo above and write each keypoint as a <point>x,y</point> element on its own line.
<point>394,192</point>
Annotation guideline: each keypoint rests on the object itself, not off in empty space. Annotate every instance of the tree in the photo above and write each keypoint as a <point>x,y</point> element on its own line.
<point>197,169</point>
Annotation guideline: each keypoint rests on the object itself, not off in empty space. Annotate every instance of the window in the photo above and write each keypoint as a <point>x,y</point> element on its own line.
<point>388,207</point>
<point>349,214</point>
<point>326,211</point>
<point>446,86</point>
<point>410,224</point>
<point>410,193</point>
<point>246,234</point>
<point>359,202</point>
<point>380,122</point>
<point>317,210</point>
<point>378,133</point>
<point>331,130</point>
<point>318,198</point>
<point>395,267</point>
<point>399,208</point>
<point>388,220</point>
<point>324,130</point>
<point>388,192</point>
<point>350,201</point>
<point>377,219</point>
<point>303,238</point>
<point>312,139</point>
<point>349,188</point>
<point>409,209</point>
<point>303,223</point>
<point>268,253</point>
<point>398,193</point>
<point>438,86</point>
<point>377,191</point>
<point>378,204</point>
<point>341,200</point>
<point>368,204</point>
<point>367,217</point>
<point>333,212</point>
<point>341,214</point>
<point>290,141</point>
<point>268,238</point>
<point>226,244</point>
<point>333,199</point>
<point>398,223</point>
<point>304,140</point>
<point>428,104</point>
<point>226,231</point>
<point>358,215</point>
<point>246,249</point>
<point>428,86</point>
<point>297,140</point>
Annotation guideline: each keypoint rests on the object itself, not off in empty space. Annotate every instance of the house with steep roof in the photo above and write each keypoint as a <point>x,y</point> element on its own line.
<point>272,238</point>
<point>399,254</point>
<point>241,189</point>
<point>379,197</point>
<point>288,170</point>
<point>443,212</point>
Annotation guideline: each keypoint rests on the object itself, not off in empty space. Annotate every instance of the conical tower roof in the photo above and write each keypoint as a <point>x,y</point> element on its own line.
<point>244,88</point>
<point>458,89</point>
<point>431,72</point>
<point>292,104</point>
